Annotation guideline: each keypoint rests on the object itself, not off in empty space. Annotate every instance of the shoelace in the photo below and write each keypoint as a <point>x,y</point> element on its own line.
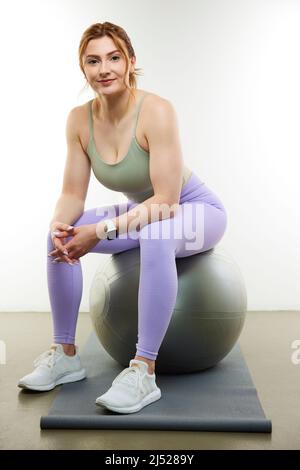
<point>133,376</point>
<point>47,358</point>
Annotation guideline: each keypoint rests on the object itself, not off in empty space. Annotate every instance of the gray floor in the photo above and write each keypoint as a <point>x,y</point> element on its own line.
<point>266,344</point>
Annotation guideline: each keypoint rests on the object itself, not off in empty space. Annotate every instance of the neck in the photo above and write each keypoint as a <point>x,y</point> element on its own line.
<point>113,108</point>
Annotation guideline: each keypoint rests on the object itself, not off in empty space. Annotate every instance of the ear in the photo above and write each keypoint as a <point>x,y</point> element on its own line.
<point>133,61</point>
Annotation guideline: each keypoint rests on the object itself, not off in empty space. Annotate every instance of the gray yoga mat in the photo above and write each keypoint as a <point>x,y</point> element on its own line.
<point>222,398</point>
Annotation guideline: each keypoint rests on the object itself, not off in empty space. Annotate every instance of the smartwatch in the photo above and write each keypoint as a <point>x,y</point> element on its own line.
<point>110,230</point>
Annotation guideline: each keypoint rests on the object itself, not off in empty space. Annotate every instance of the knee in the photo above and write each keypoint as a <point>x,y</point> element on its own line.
<point>158,231</point>
<point>154,244</point>
<point>49,240</point>
<point>226,219</point>
<point>147,231</point>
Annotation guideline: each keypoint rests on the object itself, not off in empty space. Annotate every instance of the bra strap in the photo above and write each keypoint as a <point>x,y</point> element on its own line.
<point>138,111</point>
<point>91,129</point>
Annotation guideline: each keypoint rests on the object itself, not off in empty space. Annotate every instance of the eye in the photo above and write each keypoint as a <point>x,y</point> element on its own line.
<point>113,57</point>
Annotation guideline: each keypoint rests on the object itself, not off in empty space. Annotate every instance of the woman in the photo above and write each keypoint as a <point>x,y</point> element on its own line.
<point>131,141</point>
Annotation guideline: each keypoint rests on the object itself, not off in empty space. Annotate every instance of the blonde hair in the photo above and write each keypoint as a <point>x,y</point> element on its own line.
<point>117,34</point>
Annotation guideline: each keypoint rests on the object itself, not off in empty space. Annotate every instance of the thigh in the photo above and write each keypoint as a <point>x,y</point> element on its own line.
<point>196,227</point>
<point>201,226</point>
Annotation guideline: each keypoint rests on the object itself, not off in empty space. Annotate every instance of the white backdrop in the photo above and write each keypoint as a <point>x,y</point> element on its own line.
<point>231,69</point>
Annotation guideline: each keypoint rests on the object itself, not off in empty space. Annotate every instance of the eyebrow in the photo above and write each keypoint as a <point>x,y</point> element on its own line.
<point>95,55</point>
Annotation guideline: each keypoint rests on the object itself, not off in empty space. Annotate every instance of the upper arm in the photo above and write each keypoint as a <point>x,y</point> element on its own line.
<point>166,164</point>
<point>77,167</point>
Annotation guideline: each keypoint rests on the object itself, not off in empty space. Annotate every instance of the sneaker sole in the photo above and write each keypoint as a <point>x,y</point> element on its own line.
<point>74,377</point>
<point>153,396</point>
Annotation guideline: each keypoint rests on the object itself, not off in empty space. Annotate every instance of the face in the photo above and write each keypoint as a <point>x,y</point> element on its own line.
<point>101,61</point>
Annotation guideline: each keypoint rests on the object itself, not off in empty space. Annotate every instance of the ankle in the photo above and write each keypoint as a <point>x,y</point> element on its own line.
<point>151,364</point>
<point>69,349</point>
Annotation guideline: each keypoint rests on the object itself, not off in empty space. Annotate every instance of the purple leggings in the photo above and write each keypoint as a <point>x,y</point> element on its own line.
<point>198,226</point>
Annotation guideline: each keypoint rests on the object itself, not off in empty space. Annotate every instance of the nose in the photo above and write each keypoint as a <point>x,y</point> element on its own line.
<point>104,70</point>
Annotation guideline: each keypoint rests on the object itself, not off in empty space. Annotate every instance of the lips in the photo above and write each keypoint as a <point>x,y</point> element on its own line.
<point>104,81</point>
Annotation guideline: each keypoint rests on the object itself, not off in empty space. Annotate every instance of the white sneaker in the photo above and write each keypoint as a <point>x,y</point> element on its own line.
<point>131,390</point>
<point>53,368</point>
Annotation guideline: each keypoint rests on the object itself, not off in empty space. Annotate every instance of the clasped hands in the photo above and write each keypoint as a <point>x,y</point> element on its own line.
<point>84,237</point>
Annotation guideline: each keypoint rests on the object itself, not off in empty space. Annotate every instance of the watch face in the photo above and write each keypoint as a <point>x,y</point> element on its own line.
<point>111,234</point>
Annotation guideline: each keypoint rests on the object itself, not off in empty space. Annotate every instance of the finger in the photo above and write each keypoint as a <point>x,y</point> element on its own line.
<point>62,227</point>
<point>52,253</point>
<point>62,250</point>
<point>73,258</point>
<point>65,254</point>
<point>69,260</point>
<point>68,249</point>
<point>55,253</point>
<point>59,254</point>
<point>63,230</point>
<point>66,230</point>
<point>65,259</point>
<point>62,234</point>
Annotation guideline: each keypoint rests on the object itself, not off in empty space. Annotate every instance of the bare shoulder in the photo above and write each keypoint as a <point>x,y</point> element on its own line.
<point>158,103</point>
<point>74,121</point>
<point>78,117</point>
<point>159,113</point>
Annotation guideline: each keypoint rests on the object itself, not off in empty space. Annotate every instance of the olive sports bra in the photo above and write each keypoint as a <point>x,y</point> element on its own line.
<point>131,174</point>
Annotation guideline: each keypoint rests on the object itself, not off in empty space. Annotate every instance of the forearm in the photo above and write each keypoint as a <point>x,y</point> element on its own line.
<point>68,209</point>
<point>149,211</point>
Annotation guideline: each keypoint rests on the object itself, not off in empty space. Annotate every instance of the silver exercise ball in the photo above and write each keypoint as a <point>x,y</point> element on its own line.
<point>206,322</point>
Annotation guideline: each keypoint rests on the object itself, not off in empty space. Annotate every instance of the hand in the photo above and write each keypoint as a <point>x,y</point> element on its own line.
<point>59,231</point>
<point>84,238</point>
